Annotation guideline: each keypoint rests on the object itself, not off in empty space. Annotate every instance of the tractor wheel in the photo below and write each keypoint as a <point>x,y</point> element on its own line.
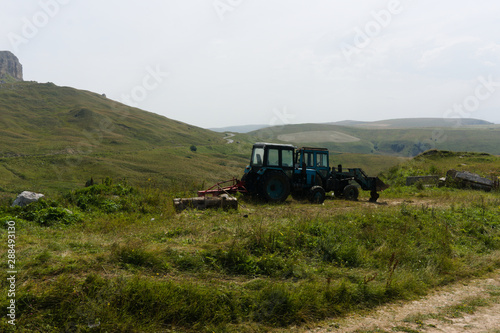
<point>317,195</point>
<point>374,196</point>
<point>351,193</point>
<point>275,187</point>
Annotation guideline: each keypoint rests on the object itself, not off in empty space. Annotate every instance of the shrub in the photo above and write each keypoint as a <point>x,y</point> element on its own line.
<point>47,213</point>
<point>106,197</point>
<point>52,215</point>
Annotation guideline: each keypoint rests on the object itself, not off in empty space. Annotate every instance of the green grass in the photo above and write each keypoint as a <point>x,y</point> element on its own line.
<point>130,263</point>
<point>372,164</point>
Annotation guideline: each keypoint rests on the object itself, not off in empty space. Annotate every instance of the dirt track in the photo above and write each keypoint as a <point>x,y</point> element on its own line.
<point>432,313</point>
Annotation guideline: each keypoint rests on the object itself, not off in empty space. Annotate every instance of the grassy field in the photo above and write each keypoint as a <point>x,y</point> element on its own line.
<point>372,164</point>
<point>114,257</point>
<point>165,166</point>
<point>318,136</point>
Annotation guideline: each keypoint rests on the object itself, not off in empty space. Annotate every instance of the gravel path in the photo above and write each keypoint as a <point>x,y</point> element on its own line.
<point>432,313</point>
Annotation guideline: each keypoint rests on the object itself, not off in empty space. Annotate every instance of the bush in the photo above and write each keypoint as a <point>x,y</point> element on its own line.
<point>46,213</point>
<point>52,215</point>
<point>105,197</point>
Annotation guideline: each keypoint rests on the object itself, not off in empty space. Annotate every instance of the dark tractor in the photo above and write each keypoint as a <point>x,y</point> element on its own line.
<point>278,170</point>
<point>270,172</point>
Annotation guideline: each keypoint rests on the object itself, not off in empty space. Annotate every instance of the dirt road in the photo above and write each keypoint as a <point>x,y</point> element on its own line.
<point>472,306</point>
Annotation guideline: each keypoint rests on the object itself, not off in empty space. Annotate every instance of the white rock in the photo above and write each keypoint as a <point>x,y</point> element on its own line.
<point>26,197</point>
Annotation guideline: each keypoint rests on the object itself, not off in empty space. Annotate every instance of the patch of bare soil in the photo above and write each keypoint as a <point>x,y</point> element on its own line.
<point>444,310</point>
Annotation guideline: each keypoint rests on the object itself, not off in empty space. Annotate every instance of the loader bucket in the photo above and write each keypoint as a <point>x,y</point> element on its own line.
<point>380,185</point>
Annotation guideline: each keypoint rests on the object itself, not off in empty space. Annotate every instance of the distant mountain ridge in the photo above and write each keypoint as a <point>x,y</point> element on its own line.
<point>389,123</point>
<point>395,138</point>
<point>414,122</point>
<point>238,129</point>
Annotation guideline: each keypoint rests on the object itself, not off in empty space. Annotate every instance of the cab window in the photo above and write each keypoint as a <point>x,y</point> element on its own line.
<point>287,158</point>
<point>309,159</point>
<point>273,157</point>
<point>258,156</point>
<point>322,160</point>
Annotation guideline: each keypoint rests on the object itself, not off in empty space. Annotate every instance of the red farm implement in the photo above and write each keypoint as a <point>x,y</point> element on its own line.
<point>231,186</point>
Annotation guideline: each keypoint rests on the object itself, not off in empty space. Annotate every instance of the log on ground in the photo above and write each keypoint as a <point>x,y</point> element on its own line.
<point>224,201</point>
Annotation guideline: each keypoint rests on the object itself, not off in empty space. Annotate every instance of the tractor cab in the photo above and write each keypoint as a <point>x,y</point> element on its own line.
<point>311,167</point>
<point>271,156</point>
<point>314,158</point>
<point>270,171</point>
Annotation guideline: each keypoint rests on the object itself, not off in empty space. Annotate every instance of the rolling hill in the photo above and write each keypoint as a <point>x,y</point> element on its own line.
<point>388,123</point>
<point>414,123</point>
<point>392,139</point>
<point>46,119</point>
<point>238,129</point>
<point>58,137</point>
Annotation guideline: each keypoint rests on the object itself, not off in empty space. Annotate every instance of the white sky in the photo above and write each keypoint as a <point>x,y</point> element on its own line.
<point>235,62</point>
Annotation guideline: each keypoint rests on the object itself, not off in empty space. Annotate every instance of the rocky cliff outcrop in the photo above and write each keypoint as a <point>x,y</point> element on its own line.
<point>10,66</point>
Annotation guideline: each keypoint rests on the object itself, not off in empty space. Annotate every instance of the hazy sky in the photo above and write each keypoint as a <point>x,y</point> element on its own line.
<point>216,63</point>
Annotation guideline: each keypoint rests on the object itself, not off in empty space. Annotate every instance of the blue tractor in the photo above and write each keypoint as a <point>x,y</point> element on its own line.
<point>278,170</point>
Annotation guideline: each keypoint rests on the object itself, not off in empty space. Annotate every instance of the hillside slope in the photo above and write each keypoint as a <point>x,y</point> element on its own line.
<point>44,118</point>
<point>59,137</point>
